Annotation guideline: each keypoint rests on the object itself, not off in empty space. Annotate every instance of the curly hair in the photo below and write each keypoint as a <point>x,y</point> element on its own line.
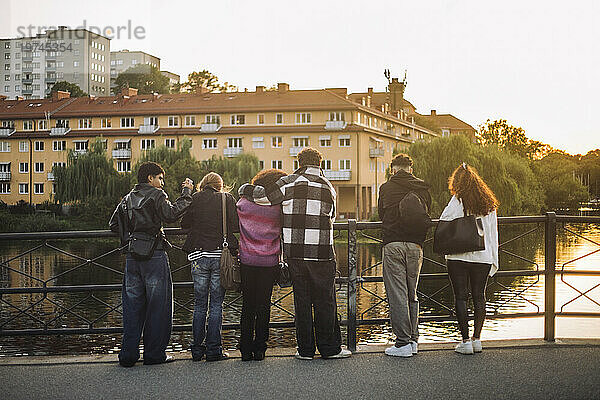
<point>309,156</point>
<point>402,161</point>
<point>466,184</point>
<point>267,177</point>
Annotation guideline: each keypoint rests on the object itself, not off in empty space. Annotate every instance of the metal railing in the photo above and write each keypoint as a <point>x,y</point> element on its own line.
<point>356,282</point>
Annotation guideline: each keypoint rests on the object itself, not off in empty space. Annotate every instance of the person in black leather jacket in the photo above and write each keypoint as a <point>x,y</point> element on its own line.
<point>147,286</point>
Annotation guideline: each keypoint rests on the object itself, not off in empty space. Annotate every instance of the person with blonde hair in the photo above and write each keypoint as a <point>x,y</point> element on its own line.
<point>204,244</point>
<point>470,270</point>
<point>260,251</point>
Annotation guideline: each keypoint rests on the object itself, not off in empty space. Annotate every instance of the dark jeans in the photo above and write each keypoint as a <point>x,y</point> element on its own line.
<point>462,275</point>
<point>147,306</point>
<point>257,288</point>
<point>207,284</point>
<point>314,289</point>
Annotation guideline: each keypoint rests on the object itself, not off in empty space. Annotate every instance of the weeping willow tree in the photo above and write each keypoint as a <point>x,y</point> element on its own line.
<point>89,176</point>
<point>234,171</point>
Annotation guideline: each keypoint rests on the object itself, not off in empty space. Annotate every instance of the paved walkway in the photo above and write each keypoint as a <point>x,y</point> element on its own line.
<point>505,370</point>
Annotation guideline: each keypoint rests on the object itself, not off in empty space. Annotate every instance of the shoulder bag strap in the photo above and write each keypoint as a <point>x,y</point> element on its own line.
<point>224,207</point>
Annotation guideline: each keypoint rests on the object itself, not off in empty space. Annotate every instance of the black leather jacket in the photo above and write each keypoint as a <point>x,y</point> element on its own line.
<point>150,208</point>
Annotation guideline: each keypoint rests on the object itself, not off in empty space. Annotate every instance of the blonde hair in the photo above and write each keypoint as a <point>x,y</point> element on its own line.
<point>213,180</point>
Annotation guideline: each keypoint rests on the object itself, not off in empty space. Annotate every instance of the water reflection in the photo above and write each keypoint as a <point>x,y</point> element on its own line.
<point>505,294</point>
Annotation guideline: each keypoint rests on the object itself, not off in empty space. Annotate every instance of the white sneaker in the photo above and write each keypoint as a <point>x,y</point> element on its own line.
<point>464,347</point>
<point>342,354</point>
<point>404,351</point>
<point>299,357</point>
<point>414,347</point>
<point>477,345</point>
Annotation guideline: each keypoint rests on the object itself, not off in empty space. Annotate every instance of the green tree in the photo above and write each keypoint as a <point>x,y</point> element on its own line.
<point>509,176</point>
<point>198,80</point>
<point>589,170</point>
<point>511,138</point>
<point>67,87</point>
<point>145,78</point>
<point>556,172</point>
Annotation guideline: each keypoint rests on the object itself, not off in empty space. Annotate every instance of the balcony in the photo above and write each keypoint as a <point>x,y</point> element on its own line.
<point>232,151</point>
<point>5,176</point>
<point>376,152</point>
<point>338,175</point>
<point>79,152</point>
<point>27,57</point>
<point>27,68</point>
<point>295,150</point>
<point>335,125</point>
<point>51,67</point>
<point>7,131</point>
<point>121,154</point>
<point>56,131</point>
<point>51,79</point>
<point>209,128</point>
<point>27,81</point>
<point>27,91</point>
<point>148,128</point>
<point>50,176</point>
<point>50,55</point>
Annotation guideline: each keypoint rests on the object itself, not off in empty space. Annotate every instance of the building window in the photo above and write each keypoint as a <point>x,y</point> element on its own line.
<point>344,165</point>
<point>76,63</point>
<point>445,133</point>
<point>38,188</point>
<point>303,118</point>
<point>170,143</point>
<point>4,188</point>
<point>173,120</point>
<point>300,141</point>
<point>325,141</point>
<point>234,142</point>
<point>344,141</point>
<point>38,145</point>
<point>279,118</point>
<point>261,164</point>
<point>105,123</point>
<point>23,146</point>
<point>209,143</point>
<point>147,144</point>
<point>296,164</point>
<point>81,146</point>
<point>62,123</point>
<point>127,122</point>
<point>277,164</point>
<point>43,125</point>
<point>28,125</point>
<point>23,168</point>
<point>258,143</point>
<point>190,120</point>
<point>276,142</point>
<point>38,167</point>
<point>260,119</point>
<point>59,145</point>
<point>326,164</point>
<point>213,119</point>
<point>23,188</point>
<point>238,119</point>
<point>123,166</point>
<point>85,123</point>
<point>337,116</point>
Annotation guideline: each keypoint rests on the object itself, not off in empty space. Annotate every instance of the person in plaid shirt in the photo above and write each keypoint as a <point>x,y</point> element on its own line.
<point>308,207</point>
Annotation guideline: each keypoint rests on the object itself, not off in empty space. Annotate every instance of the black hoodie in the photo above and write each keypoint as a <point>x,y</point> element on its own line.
<point>395,227</point>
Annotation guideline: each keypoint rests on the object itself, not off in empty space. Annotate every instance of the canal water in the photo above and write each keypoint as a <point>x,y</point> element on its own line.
<point>578,248</point>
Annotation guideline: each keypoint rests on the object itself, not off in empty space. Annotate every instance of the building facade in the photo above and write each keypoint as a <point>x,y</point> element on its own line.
<point>356,138</point>
<point>122,60</point>
<point>32,65</point>
<point>174,79</point>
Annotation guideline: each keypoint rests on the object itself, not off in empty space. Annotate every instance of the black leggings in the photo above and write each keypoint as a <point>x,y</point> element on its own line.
<point>462,273</point>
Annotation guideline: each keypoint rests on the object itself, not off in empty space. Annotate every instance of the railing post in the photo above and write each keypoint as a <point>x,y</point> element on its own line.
<point>352,280</point>
<point>550,277</point>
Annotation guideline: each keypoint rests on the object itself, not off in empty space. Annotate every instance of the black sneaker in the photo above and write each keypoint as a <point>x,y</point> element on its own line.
<point>168,359</point>
<point>247,356</point>
<point>197,357</point>
<point>259,355</point>
<point>218,357</point>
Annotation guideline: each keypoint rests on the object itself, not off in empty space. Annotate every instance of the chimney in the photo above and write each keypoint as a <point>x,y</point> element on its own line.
<point>370,90</point>
<point>155,96</point>
<point>396,90</point>
<point>283,87</point>
<point>127,91</point>
<point>433,113</point>
<point>260,89</point>
<point>59,95</point>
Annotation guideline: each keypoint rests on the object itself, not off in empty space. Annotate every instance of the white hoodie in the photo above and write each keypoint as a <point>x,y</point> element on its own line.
<point>454,210</point>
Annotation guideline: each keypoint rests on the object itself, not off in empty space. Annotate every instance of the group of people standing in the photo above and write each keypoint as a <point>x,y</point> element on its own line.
<point>281,216</point>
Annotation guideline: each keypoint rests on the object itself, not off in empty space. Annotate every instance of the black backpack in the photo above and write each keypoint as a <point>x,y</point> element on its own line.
<point>413,213</point>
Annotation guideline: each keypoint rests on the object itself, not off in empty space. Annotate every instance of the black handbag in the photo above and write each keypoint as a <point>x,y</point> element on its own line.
<point>142,245</point>
<point>460,235</point>
<point>231,278</point>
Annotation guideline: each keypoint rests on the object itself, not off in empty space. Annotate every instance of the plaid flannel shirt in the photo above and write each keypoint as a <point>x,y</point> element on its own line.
<point>308,207</point>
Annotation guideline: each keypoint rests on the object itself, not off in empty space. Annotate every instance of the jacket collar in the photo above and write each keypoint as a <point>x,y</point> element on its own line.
<point>309,170</point>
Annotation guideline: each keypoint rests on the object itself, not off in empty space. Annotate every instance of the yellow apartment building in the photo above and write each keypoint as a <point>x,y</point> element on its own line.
<point>356,135</point>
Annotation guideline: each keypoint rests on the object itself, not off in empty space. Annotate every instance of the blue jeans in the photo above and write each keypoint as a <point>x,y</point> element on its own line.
<point>207,283</point>
<point>147,306</point>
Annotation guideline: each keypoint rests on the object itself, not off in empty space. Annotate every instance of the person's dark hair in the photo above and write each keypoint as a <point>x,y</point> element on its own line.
<point>149,168</point>
<point>267,177</point>
<point>309,156</point>
<point>402,161</point>
<point>466,184</point>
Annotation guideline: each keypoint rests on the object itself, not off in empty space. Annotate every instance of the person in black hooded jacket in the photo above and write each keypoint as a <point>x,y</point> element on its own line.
<point>403,206</point>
